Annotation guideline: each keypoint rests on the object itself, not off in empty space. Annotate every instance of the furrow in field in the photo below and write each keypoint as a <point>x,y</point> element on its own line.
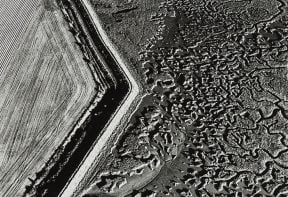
<point>43,92</point>
<point>81,89</point>
<point>15,15</point>
<point>26,104</point>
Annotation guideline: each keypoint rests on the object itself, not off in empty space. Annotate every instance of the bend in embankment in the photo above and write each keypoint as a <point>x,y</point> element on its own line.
<point>121,91</point>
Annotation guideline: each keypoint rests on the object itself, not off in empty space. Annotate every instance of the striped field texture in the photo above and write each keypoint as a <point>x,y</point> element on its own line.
<point>45,86</point>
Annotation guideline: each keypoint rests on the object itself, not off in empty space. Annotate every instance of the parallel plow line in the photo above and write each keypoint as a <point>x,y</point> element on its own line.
<point>117,91</point>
